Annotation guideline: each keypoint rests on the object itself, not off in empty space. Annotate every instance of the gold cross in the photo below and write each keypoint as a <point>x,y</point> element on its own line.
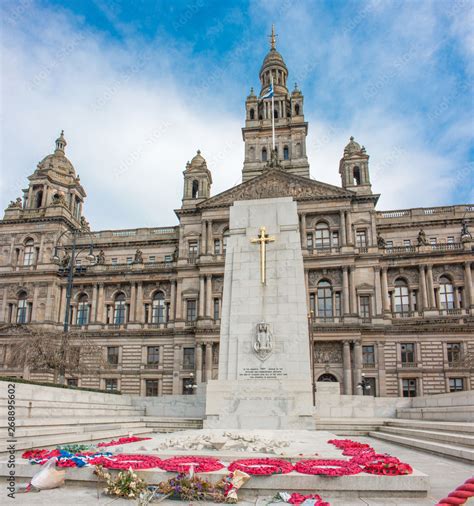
<point>263,238</point>
<point>273,37</point>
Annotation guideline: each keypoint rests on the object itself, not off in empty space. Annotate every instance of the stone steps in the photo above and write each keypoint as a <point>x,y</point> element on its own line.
<point>449,450</point>
<point>438,413</point>
<point>159,424</point>
<point>456,427</point>
<point>67,420</point>
<point>439,436</point>
<point>360,485</point>
<point>44,412</point>
<point>349,426</point>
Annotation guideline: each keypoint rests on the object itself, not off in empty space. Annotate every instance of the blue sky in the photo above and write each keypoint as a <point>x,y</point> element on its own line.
<point>139,86</point>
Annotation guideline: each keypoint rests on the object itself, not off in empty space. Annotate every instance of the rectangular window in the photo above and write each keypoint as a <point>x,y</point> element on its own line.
<point>217,246</point>
<point>454,352</point>
<point>337,303</point>
<point>113,355</point>
<point>309,241</point>
<point>456,384</point>
<point>433,241</point>
<point>368,355</point>
<point>188,358</point>
<point>216,309</point>
<point>406,243</point>
<point>151,388</point>
<point>409,387</point>
<point>450,240</point>
<point>361,239</point>
<point>129,260</point>
<point>82,313</point>
<point>152,258</point>
<point>168,258</point>
<point>408,353</point>
<point>191,314</point>
<point>365,306</point>
<point>188,386</point>
<point>114,261</point>
<point>389,245</point>
<point>111,384</point>
<point>335,239</point>
<point>153,355</point>
<point>193,249</point>
<point>72,382</point>
<point>29,255</point>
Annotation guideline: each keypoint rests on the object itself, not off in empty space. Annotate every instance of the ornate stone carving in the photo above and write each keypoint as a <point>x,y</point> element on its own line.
<point>333,275</point>
<point>409,273</point>
<point>217,284</point>
<point>15,204</point>
<point>101,257</point>
<point>422,240</point>
<point>455,271</point>
<point>328,352</point>
<point>138,257</point>
<point>263,344</point>
<point>275,183</point>
<point>381,242</point>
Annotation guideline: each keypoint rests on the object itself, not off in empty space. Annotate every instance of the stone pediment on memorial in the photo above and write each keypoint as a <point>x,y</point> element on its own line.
<point>277,183</point>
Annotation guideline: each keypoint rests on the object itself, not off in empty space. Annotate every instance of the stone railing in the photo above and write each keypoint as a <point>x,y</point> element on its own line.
<point>421,212</point>
<point>134,232</point>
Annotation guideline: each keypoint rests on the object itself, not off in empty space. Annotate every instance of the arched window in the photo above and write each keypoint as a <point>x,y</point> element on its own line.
<point>446,293</point>
<point>324,308</point>
<point>297,109</point>
<point>328,377</point>
<point>252,114</point>
<point>29,253</point>
<point>158,308</point>
<point>225,236</point>
<point>323,240</point>
<point>22,310</point>
<point>402,301</point>
<point>82,310</point>
<point>119,309</point>
<point>195,189</point>
<point>38,199</point>
<point>356,174</point>
<point>275,114</point>
<point>264,154</point>
<point>286,153</point>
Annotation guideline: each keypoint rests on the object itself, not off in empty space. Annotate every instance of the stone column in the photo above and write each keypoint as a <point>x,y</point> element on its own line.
<point>378,291</point>
<point>346,361</point>
<point>133,301</point>
<point>374,229</point>
<point>173,300</point>
<point>101,304</point>
<point>357,367</point>
<point>422,283</point>
<point>303,230</point>
<point>201,296</point>
<point>73,314</point>
<point>429,280</point>
<point>342,226</point>
<point>210,249</point>
<point>209,296</point>
<point>345,290</point>
<point>179,301</point>
<point>34,310</point>
<point>139,307</point>
<point>198,363</point>
<point>353,295</point>
<point>203,238</point>
<point>350,239</point>
<point>93,315</point>
<point>382,386</point>
<point>48,315</point>
<point>161,357</point>
<point>468,288</point>
<point>208,361</point>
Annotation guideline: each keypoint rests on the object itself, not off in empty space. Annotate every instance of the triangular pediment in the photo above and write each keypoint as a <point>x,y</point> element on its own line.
<point>278,183</point>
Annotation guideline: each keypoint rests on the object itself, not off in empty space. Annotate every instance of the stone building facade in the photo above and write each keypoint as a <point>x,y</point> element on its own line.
<point>389,293</point>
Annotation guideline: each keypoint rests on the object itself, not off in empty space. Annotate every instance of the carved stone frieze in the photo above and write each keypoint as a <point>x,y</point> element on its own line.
<point>217,284</point>
<point>328,352</point>
<point>454,271</point>
<point>333,275</point>
<point>409,273</point>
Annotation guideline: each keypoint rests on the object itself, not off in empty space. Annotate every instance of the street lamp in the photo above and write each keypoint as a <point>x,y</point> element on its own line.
<point>193,386</point>
<point>69,262</point>
<point>364,385</point>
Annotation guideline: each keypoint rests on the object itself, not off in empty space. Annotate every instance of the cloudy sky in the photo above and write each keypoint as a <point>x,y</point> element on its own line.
<point>139,86</point>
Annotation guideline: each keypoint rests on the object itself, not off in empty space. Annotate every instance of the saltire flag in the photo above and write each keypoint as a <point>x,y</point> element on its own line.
<point>269,93</point>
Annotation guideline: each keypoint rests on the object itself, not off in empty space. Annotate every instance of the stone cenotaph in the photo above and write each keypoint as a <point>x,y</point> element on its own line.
<point>264,366</point>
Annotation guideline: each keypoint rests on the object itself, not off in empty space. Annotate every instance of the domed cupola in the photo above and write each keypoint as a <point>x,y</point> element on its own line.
<point>354,168</point>
<point>273,65</point>
<point>197,181</point>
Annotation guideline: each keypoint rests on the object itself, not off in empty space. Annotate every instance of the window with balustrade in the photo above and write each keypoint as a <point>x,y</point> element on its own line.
<point>446,293</point>
<point>82,317</point>
<point>119,309</point>
<point>158,313</point>
<point>454,352</point>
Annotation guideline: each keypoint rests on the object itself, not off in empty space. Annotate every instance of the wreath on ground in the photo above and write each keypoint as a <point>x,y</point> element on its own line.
<point>261,467</point>
<point>182,464</point>
<point>122,461</point>
<point>387,467</point>
<point>327,467</point>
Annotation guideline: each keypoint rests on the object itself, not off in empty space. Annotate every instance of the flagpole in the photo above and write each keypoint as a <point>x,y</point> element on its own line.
<point>273,115</point>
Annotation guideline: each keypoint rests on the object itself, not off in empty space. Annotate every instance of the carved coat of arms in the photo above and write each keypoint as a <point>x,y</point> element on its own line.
<point>263,344</point>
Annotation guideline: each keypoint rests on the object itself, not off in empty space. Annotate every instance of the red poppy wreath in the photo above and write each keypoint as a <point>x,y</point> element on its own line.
<point>182,464</point>
<point>261,467</point>
<point>327,467</point>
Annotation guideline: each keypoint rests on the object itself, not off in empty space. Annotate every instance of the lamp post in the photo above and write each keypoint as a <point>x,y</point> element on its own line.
<point>311,355</point>
<point>69,263</point>
<point>364,384</point>
<point>192,387</point>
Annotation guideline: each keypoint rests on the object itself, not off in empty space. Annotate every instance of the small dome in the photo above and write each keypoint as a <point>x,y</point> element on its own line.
<point>273,58</point>
<point>352,147</point>
<point>58,161</point>
<point>198,159</point>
